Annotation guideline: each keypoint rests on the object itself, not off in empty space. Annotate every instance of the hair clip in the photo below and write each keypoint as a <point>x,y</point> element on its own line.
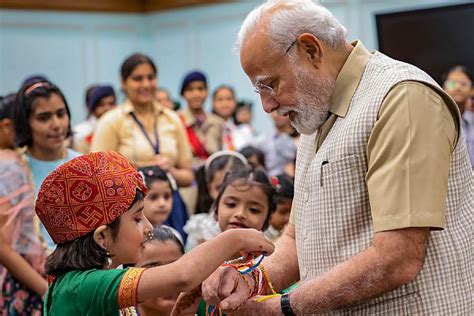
<point>276,183</point>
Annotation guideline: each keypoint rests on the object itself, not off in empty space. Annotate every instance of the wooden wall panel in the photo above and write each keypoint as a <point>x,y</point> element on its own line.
<point>76,5</point>
<point>123,6</point>
<point>160,5</point>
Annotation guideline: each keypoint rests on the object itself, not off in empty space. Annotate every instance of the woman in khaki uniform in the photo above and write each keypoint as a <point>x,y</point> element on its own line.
<point>143,130</point>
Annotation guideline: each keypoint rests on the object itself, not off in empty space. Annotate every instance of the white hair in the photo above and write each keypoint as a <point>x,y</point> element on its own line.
<point>286,24</point>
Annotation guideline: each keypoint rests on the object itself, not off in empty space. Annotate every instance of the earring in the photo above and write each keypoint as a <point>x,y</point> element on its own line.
<point>150,236</point>
<point>109,260</point>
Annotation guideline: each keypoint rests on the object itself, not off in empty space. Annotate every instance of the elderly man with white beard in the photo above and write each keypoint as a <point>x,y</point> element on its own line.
<point>382,215</point>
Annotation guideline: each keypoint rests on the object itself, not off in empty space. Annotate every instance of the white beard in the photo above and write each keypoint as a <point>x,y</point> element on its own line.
<point>312,101</point>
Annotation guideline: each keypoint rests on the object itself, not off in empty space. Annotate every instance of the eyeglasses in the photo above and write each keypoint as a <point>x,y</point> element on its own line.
<point>261,88</point>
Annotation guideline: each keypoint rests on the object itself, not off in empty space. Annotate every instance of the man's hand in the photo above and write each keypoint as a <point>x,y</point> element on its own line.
<point>226,288</point>
<point>187,303</point>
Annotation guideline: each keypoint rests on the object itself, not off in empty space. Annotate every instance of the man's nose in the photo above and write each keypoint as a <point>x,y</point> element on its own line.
<point>269,103</point>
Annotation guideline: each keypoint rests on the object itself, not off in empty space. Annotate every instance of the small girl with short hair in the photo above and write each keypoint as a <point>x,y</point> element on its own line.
<point>92,206</point>
<point>159,199</point>
<point>164,248</point>
<point>163,205</point>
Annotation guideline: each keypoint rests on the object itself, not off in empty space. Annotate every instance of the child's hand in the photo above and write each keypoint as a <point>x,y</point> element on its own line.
<point>253,242</point>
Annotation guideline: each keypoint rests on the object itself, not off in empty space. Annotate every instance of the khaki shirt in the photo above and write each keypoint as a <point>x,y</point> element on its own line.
<point>209,133</point>
<point>117,130</point>
<point>398,195</point>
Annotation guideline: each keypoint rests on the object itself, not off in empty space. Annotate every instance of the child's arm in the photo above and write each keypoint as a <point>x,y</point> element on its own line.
<point>194,267</point>
<point>18,267</point>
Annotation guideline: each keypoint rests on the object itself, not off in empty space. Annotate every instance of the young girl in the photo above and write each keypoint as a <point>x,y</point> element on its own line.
<point>164,248</point>
<point>42,121</point>
<point>284,198</point>
<point>22,283</point>
<point>92,207</point>
<point>224,104</point>
<point>246,200</point>
<point>159,200</point>
<point>202,226</point>
<point>161,206</point>
<point>243,113</point>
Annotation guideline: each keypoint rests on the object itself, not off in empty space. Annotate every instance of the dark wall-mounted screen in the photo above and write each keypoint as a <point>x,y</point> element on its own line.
<point>432,39</point>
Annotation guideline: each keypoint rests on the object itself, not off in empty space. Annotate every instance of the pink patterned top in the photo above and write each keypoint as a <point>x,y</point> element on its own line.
<point>17,204</point>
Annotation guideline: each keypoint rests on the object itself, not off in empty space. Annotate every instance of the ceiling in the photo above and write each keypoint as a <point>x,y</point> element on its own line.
<point>123,6</point>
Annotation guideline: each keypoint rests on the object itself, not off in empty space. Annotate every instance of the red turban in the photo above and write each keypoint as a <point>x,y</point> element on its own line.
<point>85,193</point>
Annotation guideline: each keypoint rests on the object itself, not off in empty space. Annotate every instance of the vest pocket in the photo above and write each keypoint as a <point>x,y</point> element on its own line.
<point>330,167</point>
<point>342,186</point>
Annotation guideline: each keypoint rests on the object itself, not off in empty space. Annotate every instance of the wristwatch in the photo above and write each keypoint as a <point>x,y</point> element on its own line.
<point>285,305</point>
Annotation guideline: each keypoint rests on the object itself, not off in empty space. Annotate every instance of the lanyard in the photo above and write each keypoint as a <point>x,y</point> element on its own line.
<point>156,147</point>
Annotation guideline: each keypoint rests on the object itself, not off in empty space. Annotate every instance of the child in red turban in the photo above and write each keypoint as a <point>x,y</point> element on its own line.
<point>92,206</point>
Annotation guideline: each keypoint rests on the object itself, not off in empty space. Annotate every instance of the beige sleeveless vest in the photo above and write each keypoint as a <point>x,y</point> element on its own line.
<point>333,216</point>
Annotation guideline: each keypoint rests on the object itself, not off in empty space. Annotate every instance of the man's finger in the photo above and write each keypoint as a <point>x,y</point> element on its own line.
<point>210,288</point>
<point>236,299</point>
<point>228,286</point>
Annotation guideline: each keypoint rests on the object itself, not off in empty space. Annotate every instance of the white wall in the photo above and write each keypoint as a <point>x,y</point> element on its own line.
<point>77,49</point>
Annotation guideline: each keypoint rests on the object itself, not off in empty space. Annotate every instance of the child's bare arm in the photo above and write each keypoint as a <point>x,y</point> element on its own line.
<point>18,267</point>
<point>194,267</point>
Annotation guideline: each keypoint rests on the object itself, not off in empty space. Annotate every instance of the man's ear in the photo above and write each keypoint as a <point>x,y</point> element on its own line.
<point>313,48</point>
<point>100,236</point>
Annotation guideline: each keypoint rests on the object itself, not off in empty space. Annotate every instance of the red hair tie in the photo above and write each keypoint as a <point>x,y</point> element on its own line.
<point>275,183</point>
